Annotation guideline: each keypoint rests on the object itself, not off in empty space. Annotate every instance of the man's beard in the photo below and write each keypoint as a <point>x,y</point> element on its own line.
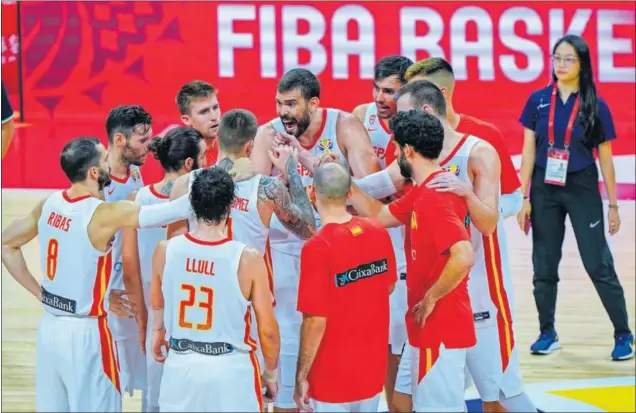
<point>301,124</point>
<point>103,180</point>
<point>130,157</point>
<point>405,169</point>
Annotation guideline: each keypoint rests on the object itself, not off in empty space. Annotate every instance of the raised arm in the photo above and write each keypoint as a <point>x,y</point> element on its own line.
<point>367,206</point>
<point>109,217</point>
<point>294,212</point>
<point>357,145</point>
<point>19,233</point>
<point>360,111</point>
<point>262,143</point>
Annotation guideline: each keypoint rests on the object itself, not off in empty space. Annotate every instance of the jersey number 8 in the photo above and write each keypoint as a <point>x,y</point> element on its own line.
<point>190,301</point>
<point>51,258</point>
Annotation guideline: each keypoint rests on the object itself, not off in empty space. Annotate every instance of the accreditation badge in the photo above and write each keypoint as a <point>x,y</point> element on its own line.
<point>556,170</point>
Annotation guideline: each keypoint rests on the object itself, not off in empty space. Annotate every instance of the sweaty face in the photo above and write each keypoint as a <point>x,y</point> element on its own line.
<point>406,170</point>
<point>383,91</point>
<point>205,116</point>
<point>136,149</point>
<point>566,62</point>
<point>293,110</point>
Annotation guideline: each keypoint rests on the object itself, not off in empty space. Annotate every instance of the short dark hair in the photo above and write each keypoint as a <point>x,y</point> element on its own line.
<point>392,65</point>
<point>301,79</point>
<point>419,129</point>
<point>125,119</point>
<point>78,156</point>
<point>237,127</point>
<point>211,195</point>
<point>193,90</point>
<point>429,67</point>
<point>423,92</point>
<point>175,147</point>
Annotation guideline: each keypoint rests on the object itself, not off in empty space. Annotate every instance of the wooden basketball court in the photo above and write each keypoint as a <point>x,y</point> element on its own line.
<point>584,328</point>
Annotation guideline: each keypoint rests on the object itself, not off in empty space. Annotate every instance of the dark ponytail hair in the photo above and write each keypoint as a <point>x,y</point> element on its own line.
<point>593,134</point>
<point>175,147</point>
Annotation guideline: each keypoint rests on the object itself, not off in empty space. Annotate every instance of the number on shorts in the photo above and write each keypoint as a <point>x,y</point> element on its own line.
<point>51,258</point>
<point>228,228</point>
<point>205,304</point>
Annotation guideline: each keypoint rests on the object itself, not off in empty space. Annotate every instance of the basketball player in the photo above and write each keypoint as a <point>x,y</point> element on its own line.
<point>314,131</point>
<point>76,366</point>
<point>199,107</point>
<point>129,132</point>
<point>179,152</point>
<point>336,373</point>
<point>493,363</point>
<point>388,78</point>
<point>208,283</point>
<point>440,72</point>
<point>440,258</point>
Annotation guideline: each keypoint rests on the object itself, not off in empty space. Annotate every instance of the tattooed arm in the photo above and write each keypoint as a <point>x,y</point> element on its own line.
<point>292,207</point>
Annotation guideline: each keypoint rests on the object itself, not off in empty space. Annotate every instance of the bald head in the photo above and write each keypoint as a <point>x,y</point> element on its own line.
<point>332,182</point>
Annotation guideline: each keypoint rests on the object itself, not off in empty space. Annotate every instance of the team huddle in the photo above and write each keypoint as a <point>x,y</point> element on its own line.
<point>312,262</point>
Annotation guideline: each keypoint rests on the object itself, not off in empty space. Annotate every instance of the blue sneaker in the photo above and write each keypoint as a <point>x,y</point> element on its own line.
<point>623,347</point>
<point>546,343</point>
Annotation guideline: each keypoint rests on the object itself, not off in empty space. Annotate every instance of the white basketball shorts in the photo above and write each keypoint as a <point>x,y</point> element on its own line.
<point>76,367</point>
<point>437,377</point>
<point>202,383</point>
<point>485,363</point>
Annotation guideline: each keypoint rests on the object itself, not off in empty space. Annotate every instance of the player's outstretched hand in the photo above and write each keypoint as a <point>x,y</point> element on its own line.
<point>285,139</point>
<point>280,156</point>
<point>120,305</point>
<point>242,170</point>
<point>158,343</point>
<point>329,157</point>
<point>449,182</point>
<point>301,396</point>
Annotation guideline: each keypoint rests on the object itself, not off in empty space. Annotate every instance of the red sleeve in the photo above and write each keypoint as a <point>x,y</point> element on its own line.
<point>313,288</point>
<point>509,177</point>
<point>402,208</point>
<point>447,227</point>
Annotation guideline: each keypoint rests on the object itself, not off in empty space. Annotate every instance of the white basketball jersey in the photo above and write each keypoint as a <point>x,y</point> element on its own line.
<point>202,296</point>
<point>381,141</point>
<point>118,190</point>
<point>76,275</point>
<point>489,278</point>
<point>148,238</point>
<point>325,141</point>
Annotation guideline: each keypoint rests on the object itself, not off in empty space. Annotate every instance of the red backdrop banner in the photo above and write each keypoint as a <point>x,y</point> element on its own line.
<point>10,49</point>
<point>82,58</point>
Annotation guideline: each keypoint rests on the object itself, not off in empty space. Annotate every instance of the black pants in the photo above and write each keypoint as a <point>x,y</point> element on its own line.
<point>581,200</point>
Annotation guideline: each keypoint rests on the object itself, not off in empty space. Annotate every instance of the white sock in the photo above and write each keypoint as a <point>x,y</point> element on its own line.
<point>519,403</point>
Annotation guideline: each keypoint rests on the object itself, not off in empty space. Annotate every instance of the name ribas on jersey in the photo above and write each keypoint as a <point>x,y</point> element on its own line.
<point>203,267</point>
<point>58,221</point>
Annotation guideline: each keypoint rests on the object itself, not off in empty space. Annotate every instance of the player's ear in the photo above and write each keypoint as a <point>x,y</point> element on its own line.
<point>428,109</point>
<point>186,120</point>
<point>314,103</point>
<point>350,193</point>
<point>93,173</point>
<point>188,164</point>
<point>408,151</point>
<point>120,140</point>
<point>248,148</point>
<point>312,195</point>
